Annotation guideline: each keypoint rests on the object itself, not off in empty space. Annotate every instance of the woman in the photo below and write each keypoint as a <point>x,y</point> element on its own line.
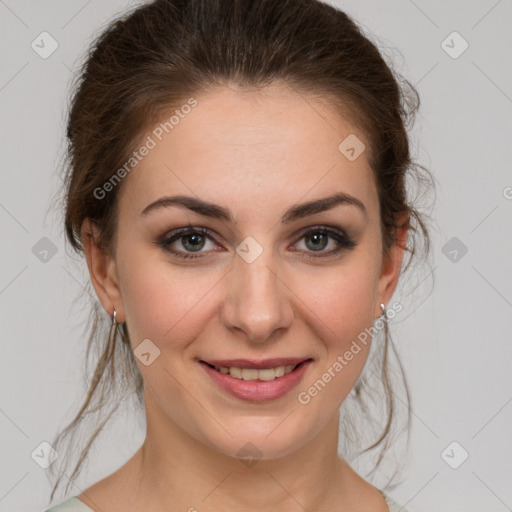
<point>237,183</point>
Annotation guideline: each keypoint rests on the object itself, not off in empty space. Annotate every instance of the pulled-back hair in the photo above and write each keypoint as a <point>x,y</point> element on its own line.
<point>155,57</point>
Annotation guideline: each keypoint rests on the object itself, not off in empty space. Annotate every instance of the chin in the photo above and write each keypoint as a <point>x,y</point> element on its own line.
<point>260,438</point>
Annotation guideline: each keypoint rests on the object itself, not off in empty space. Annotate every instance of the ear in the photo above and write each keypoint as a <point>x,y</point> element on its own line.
<point>102,270</point>
<point>391,264</point>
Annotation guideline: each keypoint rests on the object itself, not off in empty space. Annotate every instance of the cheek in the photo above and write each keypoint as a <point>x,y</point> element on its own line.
<point>164,305</point>
<point>342,301</point>
<point>340,309</point>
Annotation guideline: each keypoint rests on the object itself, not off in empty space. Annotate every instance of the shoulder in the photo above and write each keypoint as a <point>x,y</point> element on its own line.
<point>71,505</point>
<point>75,505</point>
<point>393,506</point>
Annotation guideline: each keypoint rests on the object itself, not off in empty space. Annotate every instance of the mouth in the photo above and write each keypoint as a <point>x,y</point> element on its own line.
<point>257,380</point>
<point>249,373</point>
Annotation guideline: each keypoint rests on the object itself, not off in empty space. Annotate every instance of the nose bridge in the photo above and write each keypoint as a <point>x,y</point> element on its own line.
<point>257,302</point>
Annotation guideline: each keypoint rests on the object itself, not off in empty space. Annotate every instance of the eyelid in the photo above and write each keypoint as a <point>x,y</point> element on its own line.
<point>325,228</point>
<point>343,240</point>
<point>174,235</point>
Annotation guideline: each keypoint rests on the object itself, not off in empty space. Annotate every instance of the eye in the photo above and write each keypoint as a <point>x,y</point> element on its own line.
<point>183,243</point>
<point>317,239</point>
<point>192,243</point>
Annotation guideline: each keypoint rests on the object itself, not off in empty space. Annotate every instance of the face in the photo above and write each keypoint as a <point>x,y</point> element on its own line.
<point>272,258</point>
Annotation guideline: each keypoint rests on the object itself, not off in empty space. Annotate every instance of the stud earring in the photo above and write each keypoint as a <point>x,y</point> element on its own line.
<point>383,309</point>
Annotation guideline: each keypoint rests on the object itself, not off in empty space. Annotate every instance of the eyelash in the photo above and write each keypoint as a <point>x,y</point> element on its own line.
<point>343,240</point>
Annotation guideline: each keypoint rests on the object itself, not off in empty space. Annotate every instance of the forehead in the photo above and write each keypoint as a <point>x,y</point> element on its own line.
<point>260,148</point>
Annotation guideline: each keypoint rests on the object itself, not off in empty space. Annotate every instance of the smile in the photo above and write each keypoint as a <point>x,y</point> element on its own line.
<point>266,374</point>
<point>256,381</point>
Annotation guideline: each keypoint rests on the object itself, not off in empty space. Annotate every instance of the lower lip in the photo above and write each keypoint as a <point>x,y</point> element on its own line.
<point>258,390</point>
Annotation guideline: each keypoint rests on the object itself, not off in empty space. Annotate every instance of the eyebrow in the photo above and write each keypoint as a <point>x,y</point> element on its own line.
<point>294,213</point>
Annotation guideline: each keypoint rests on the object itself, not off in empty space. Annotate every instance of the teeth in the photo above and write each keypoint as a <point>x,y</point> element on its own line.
<point>280,371</point>
<point>248,373</point>
<point>266,374</point>
<point>235,372</point>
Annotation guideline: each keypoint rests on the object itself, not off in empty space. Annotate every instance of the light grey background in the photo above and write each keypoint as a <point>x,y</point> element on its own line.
<point>455,342</point>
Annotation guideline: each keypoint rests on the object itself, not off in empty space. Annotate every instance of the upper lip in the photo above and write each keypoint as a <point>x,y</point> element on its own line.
<point>256,364</point>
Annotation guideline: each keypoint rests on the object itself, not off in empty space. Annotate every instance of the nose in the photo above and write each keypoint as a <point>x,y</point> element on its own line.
<point>258,301</point>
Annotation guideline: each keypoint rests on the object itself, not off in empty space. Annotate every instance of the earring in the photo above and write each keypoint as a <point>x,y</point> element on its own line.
<point>383,309</point>
<point>113,329</point>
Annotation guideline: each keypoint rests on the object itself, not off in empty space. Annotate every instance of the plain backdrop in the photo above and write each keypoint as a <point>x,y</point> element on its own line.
<point>455,339</point>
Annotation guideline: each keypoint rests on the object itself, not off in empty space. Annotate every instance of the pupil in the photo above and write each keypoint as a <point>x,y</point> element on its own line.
<point>316,238</point>
<point>196,242</point>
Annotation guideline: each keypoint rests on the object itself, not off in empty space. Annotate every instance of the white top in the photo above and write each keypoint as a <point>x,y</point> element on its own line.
<point>75,505</point>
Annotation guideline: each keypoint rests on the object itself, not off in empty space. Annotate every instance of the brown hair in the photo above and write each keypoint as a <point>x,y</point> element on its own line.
<point>155,57</point>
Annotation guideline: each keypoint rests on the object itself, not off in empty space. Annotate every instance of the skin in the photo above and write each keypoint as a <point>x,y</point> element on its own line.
<point>258,154</point>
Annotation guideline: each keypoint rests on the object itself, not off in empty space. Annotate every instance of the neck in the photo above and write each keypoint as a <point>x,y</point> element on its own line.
<point>177,472</point>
